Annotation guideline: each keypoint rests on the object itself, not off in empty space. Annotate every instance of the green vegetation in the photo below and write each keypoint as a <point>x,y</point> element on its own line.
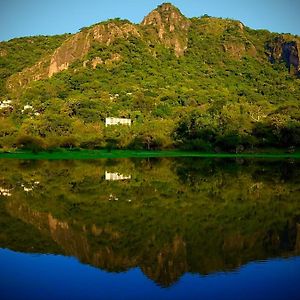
<point>96,154</point>
<point>21,53</point>
<point>222,95</point>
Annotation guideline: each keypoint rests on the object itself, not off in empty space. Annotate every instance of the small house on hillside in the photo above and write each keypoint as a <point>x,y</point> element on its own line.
<point>116,176</point>
<point>117,121</point>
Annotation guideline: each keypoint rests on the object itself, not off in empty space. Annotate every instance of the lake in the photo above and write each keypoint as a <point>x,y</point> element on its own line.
<point>150,228</point>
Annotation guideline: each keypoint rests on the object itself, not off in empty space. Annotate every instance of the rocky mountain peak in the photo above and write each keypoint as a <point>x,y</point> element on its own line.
<point>171,26</point>
<point>168,15</point>
<point>168,11</point>
<point>167,6</point>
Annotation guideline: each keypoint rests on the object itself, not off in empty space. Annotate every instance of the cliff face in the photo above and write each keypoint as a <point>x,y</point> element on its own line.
<point>290,55</point>
<point>279,49</point>
<point>79,45</point>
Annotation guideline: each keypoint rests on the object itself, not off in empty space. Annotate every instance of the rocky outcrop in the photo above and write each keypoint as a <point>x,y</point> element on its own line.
<point>115,57</point>
<point>279,49</point>
<point>79,45</point>
<point>74,48</point>
<point>170,26</point>
<point>290,55</point>
<point>238,49</point>
<point>3,53</point>
<point>235,40</point>
<point>36,72</point>
<point>97,61</point>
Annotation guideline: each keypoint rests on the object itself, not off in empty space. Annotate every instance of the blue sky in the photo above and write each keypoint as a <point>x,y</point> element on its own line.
<point>48,17</point>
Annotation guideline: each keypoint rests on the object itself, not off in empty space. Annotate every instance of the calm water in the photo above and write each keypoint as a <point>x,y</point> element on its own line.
<point>150,229</point>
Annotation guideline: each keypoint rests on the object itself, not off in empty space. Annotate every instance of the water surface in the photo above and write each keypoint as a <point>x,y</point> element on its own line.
<point>184,228</point>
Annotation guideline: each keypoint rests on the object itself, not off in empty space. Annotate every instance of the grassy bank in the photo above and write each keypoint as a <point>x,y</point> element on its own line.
<point>97,154</point>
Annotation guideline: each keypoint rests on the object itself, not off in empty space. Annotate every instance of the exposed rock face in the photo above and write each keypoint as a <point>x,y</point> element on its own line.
<point>171,27</point>
<point>3,53</point>
<point>238,49</point>
<point>290,55</point>
<point>236,43</point>
<point>288,51</point>
<point>241,26</point>
<point>115,57</point>
<point>75,48</point>
<point>274,49</point>
<point>79,44</point>
<point>234,49</point>
<point>36,72</point>
<point>96,61</point>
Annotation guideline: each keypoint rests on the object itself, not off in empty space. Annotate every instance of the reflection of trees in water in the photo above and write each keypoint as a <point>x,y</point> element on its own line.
<point>186,215</point>
<point>192,170</point>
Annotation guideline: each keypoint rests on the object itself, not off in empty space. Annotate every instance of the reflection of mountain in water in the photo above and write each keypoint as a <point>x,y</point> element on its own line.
<point>184,216</point>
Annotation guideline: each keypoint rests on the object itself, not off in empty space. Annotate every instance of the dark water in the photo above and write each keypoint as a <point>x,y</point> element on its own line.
<point>150,229</point>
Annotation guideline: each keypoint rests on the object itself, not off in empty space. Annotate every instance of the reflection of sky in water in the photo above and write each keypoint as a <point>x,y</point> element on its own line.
<point>159,221</point>
<point>27,276</point>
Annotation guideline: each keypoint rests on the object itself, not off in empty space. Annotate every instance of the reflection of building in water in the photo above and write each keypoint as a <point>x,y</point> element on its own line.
<point>117,121</point>
<point>116,176</point>
<point>5,192</point>
<point>31,187</point>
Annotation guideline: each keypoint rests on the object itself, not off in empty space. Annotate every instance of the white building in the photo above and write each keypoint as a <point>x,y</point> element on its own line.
<point>4,105</point>
<point>27,107</point>
<point>5,192</point>
<point>116,176</point>
<point>7,102</point>
<point>117,121</point>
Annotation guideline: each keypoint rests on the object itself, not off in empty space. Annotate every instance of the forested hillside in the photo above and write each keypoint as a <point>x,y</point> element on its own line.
<point>203,83</point>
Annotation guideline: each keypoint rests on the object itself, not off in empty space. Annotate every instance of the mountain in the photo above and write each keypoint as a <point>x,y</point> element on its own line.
<point>202,83</point>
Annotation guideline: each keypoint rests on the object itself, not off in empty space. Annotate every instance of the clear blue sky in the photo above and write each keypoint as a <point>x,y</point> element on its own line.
<point>48,17</point>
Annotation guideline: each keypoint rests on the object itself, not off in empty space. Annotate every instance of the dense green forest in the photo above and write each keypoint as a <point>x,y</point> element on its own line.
<point>203,83</point>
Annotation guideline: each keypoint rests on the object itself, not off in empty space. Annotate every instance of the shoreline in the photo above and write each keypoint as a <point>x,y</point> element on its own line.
<point>103,154</point>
